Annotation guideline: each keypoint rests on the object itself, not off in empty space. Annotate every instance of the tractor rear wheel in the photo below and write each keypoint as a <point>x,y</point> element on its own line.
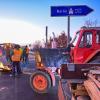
<point>40,82</point>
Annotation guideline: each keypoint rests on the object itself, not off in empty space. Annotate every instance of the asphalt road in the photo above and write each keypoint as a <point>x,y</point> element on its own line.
<point>18,88</point>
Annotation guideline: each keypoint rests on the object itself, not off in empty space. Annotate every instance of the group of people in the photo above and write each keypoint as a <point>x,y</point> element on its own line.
<point>15,56</point>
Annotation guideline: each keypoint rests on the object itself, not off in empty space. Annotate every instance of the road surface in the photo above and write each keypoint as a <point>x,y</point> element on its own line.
<point>18,88</point>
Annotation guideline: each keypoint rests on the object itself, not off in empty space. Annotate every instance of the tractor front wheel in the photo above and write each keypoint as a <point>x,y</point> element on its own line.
<point>40,81</point>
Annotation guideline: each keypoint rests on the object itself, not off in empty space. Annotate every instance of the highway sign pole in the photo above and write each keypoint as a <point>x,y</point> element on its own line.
<point>68,31</point>
<point>46,36</point>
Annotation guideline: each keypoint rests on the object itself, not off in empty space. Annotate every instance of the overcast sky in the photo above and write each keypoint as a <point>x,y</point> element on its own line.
<point>24,21</point>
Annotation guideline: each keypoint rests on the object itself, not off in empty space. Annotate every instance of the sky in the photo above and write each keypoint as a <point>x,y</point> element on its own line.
<point>24,21</point>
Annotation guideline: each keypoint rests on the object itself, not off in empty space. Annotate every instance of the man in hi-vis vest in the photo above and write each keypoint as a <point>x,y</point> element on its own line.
<point>16,58</point>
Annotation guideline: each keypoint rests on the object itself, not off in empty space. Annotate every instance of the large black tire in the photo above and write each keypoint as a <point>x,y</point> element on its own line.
<point>40,81</point>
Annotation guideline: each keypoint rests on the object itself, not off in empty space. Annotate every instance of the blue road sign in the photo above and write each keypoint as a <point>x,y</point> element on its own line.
<point>80,10</point>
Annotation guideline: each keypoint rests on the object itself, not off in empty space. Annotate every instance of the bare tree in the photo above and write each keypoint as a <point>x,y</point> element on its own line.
<point>90,23</point>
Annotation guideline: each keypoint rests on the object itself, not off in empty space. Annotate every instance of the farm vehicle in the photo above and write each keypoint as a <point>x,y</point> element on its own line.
<point>81,80</point>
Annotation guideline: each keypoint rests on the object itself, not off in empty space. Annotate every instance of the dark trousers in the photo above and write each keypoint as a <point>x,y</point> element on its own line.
<point>25,57</point>
<point>16,68</point>
<point>8,58</point>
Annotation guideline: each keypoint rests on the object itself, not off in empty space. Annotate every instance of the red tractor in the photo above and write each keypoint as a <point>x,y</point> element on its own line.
<point>80,80</point>
<point>87,46</point>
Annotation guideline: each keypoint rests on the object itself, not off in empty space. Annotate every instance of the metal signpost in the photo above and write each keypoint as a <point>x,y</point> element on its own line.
<point>46,34</point>
<point>61,11</point>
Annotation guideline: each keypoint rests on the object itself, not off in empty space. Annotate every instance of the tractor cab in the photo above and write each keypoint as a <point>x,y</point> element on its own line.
<point>86,45</point>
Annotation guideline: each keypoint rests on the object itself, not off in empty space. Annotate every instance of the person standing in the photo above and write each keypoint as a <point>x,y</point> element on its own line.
<point>16,58</point>
<point>7,52</point>
<point>25,54</point>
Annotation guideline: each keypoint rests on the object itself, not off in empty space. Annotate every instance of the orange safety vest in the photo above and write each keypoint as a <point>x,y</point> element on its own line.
<point>17,55</point>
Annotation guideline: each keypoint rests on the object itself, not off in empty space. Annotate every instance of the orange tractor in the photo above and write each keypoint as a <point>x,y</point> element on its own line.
<point>42,78</point>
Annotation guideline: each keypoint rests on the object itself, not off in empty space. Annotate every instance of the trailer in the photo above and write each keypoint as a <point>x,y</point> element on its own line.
<point>79,82</point>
